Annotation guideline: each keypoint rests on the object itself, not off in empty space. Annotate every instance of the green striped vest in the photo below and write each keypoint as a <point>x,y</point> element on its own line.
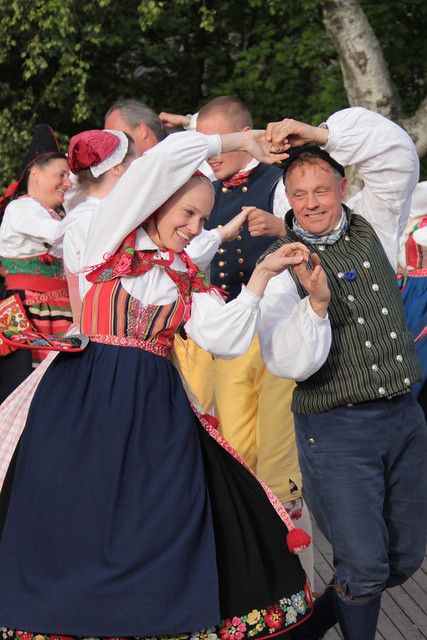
<point>372,354</point>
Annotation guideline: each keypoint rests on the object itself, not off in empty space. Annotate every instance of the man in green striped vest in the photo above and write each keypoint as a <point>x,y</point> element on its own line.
<point>362,437</point>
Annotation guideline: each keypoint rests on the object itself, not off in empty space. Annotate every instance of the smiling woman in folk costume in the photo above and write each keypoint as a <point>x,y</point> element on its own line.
<point>30,249</point>
<point>153,526</point>
<point>99,158</point>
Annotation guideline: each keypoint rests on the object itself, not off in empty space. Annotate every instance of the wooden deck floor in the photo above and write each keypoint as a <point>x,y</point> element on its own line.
<point>403,613</point>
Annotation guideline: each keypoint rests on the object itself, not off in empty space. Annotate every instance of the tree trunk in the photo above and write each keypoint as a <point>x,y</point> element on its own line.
<point>365,71</point>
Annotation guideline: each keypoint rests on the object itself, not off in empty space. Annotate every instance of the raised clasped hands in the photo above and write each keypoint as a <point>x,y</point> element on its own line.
<point>288,255</point>
<point>262,223</point>
<point>260,147</point>
<point>233,227</point>
<point>294,133</point>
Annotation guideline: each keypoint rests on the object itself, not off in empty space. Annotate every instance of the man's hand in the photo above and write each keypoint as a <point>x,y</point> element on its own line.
<point>295,133</point>
<point>173,120</point>
<point>316,283</point>
<point>262,223</point>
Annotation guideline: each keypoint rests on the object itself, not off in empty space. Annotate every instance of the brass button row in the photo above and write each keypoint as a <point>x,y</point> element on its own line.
<point>226,189</point>
<point>222,263</point>
<point>222,274</point>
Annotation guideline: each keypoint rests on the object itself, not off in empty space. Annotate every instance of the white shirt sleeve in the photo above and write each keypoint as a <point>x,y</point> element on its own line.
<point>420,236</point>
<point>192,121</point>
<point>203,247</point>
<point>294,340</point>
<point>225,330</point>
<point>28,229</point>
<point>73,244</point>
<point>280,202</point>
<point>387,159</point>
<point>146,185</point>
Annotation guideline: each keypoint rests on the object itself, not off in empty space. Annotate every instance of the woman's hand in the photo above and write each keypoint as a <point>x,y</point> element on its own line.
<point>231,230</point>
<point>288,255</point>
<point>315,283</point>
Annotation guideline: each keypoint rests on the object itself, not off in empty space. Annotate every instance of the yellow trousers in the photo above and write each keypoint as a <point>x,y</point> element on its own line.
<point>196,367</point>
<point>253,408</point>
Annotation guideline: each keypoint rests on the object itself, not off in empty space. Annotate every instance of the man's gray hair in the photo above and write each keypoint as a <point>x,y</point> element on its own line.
<point>134,112</point>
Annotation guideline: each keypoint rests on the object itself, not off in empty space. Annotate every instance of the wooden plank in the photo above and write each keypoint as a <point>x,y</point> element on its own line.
<point>405,602</point>
<point>421,579</point>
<point>416,593</point>
<point>322,543</point>
<point>399,618</point>
<point>323,567</point>
<point>386,629</point>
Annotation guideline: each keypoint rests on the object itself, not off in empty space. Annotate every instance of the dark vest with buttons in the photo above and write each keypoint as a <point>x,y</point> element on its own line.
<point>372,354</point>
<point>234,262</point>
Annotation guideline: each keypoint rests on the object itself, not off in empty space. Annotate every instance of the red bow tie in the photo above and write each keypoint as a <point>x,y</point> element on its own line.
<point>239,178</point>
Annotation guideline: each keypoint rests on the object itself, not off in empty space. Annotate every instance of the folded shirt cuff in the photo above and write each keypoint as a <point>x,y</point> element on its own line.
<point>248,298</point>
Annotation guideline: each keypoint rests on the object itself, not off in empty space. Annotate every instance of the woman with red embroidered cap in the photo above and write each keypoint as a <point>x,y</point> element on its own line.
<point>30,248</point>
<point>98,158</point>
<point>130,515</point>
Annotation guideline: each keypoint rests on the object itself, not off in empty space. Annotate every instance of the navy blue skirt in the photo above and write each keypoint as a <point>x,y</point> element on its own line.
<point>126,518</point>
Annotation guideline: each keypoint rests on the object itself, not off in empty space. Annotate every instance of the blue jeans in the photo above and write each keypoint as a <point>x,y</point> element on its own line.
<point>365,476</point>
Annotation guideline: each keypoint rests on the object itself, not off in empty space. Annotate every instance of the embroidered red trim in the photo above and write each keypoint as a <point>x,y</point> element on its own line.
<point>417,273</point>
<point>123,341</point>
<point>209,426</point>
<point>36,297</point>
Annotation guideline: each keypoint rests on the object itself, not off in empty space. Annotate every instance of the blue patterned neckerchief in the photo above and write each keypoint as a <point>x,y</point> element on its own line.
<point>330,238</point>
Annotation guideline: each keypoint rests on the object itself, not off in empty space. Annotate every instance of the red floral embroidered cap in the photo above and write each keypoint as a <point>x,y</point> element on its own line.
<point>97,149</point>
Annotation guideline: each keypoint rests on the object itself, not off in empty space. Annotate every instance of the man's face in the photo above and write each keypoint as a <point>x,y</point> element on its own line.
<point>227,164</point>
<point>142,135</point>
<point>315,194</point>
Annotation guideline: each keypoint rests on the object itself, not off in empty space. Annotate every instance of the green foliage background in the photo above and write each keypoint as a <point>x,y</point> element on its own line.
<point>64,61</point>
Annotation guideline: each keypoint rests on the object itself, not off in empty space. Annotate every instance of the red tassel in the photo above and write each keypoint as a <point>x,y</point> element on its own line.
<point>214,422</point>
<point>297,540</point>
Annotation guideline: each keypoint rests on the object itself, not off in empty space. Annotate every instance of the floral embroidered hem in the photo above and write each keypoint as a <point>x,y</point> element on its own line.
<point>256,625</point>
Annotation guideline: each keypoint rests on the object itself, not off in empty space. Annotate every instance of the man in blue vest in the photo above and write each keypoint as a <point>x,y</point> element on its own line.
<point>361,436</point>
<point>252,405</point>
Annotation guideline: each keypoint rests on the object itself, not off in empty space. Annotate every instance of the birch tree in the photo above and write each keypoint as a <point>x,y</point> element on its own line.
<point>366,74</point>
